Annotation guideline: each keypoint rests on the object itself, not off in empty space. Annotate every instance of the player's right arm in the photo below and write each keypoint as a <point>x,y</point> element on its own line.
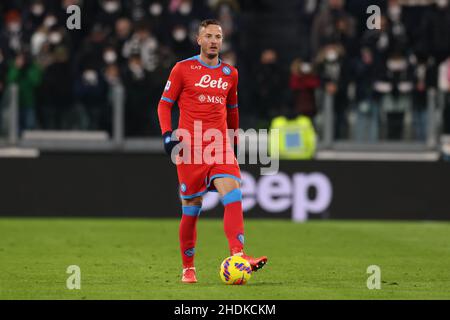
<point>170,95</point>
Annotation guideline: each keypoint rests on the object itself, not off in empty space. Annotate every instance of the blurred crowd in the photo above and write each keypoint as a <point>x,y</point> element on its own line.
<point>378,80</point>
<point>66,77</point>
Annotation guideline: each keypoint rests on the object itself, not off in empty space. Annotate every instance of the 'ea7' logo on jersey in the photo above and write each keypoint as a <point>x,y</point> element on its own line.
<point>167,85</point>
<point>206,82</point>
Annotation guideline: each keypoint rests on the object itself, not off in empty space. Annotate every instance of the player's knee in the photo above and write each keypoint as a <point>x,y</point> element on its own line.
<point>231,197</point>
<point>225,185</point>
<point>193,211</point>
<point>196,202</point>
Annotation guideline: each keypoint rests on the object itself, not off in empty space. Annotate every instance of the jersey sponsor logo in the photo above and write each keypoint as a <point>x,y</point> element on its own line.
<point>207,82</point>
<point>226,70</point>
<point>168,84</point>
<point>211,99</point>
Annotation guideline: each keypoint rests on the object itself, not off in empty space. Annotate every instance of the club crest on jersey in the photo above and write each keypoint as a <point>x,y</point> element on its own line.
<point>207,82</point>
<point>226,71</point>
<point>183,187</point>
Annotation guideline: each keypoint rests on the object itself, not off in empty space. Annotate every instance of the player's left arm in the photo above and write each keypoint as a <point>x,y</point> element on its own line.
<point>233,109</point>
<point>171,93</point>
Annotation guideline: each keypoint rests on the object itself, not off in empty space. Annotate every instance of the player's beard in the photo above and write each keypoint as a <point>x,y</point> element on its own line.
<point>212,55</point>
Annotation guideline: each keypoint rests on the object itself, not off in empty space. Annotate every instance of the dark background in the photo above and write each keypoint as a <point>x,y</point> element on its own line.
<point>138,185</point>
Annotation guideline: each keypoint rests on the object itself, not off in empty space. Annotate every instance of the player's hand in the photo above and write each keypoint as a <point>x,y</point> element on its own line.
<point>169,143</point>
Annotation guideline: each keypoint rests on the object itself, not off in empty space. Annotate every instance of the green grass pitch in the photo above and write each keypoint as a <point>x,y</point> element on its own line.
<point>139,259</point>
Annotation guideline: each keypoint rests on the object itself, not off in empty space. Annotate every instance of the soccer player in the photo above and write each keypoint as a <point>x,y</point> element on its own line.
<point>205,89</point>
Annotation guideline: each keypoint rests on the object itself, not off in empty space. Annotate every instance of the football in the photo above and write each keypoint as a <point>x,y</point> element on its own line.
<point>235,270</point>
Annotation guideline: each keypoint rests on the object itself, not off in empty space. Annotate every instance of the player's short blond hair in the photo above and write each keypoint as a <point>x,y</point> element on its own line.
<point>208,22</point>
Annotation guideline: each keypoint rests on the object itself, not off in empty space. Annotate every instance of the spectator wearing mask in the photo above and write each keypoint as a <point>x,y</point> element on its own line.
<point>51,50</point>
<point>181,42</point>
<point>183,18</point>
<point>49,32</point>
<point>39,39</point>
<point>27,75</point>
<point>333,24</point>
<point>57,37</point>
<point>91,53</point>
<point>186,11</point>
<point>12,37</point>
<point>34,16</point>
<point>110,55</point>
<point>303,84</point>
<point>110,11</point>
<point>367,110</point>
<point>333,70</point>
<point>158,17</point>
